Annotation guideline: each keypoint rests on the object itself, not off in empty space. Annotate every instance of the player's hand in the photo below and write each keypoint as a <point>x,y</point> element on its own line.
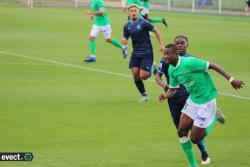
<point>236,84</point>
<point>89,12</point>
<point>124,41</point>
<point>162,97</point>
<point>166,87</point>
<point>162,49</point>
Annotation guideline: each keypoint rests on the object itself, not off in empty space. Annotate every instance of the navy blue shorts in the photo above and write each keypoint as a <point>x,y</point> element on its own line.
<point>175,106</point>
<point>143,62</point>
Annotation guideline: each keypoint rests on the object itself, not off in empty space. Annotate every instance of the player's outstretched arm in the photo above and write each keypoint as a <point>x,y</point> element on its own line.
<point>168,94</point>
<point>236,84</point>
<point>160,82</point>
<point>158,36</point>
<point>100,12</point>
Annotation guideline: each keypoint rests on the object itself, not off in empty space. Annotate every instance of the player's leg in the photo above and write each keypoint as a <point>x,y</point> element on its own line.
<point>205,118</point>
<point>107,35</point>
<point>197,137</point>
<point>145,13</point>
<point>176,105</point>
<point>92,45</point>
<point>134,66</point>
<point>158,20</point>
<point>146,66</point>
<point>205,159</point>
<point>185,124</point>
<point>106,30</point>
<point>139,83</point>
<point>144,74</point>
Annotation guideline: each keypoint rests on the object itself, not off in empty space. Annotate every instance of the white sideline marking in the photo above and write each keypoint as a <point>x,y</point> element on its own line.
<point>63,64</point>
<point>98,70</point>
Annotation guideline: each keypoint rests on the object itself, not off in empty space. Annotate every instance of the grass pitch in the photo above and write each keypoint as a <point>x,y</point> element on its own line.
<point>70,114</point>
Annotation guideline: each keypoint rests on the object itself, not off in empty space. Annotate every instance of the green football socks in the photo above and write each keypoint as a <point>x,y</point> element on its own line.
<point>92,47</point>
<point>116,43</point>
<point>187,148</point>
<point>155,20</point>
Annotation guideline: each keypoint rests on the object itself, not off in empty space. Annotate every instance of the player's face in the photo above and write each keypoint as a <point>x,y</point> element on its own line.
<point>133,12</point>
<point>170,56</point>
<point>182,45</point>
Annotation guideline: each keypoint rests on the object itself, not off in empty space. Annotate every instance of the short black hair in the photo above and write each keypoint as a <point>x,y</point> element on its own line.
<point>172,46</point>
<point>181,36</point>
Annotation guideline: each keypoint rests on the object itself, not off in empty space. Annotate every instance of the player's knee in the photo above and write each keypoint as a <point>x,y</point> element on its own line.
<point>195,139</point>
<point>108,40</point>
<point>91,37</point>
<point>144,77</point>
<point>181,132</point>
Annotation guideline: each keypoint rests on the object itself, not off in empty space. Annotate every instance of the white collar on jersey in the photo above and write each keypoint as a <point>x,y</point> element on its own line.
<point>178,63</point>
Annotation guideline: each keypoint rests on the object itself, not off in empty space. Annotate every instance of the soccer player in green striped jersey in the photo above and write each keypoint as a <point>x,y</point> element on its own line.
<point>199,113</point>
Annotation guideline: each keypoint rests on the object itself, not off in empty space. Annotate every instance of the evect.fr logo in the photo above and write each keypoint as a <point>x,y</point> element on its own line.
<point>16,156</point>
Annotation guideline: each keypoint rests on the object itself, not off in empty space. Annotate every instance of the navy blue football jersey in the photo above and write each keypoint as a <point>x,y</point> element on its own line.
<point>139,33</point>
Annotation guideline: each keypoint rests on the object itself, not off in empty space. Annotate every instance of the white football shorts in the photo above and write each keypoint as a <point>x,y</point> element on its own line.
<point>106,30</point>
<point>202,114</point>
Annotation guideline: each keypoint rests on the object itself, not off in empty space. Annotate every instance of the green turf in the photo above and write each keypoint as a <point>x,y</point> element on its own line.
<point>70,116</point>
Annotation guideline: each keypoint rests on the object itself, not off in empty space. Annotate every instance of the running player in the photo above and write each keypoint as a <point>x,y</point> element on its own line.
<point>142,56</point>
<point>144,11</point>
<point>199,113</point>
<point>145,14</point>
<point>101,23</point>
<point>177,102</point>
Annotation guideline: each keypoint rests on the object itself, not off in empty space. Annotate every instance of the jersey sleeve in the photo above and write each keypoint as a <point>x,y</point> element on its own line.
<point>125,32</point>
<point>149,26</point>
<point>198,65</point>
<point>173,83</point>
<point>161,67</point>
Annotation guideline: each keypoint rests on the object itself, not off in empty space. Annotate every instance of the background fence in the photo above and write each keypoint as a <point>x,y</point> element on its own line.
<point>195,6</point>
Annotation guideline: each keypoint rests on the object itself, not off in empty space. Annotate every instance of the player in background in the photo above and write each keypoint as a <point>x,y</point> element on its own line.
<point>247,7</point>
<point>199,113</point>
<point>144,10</point>
<point>145,14</point>
<point>101,24</point>
<point>142,56</point>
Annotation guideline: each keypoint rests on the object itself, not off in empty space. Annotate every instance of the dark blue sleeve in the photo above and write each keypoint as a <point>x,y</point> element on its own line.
<point>160,68</point>
<point>125,32</point>
<point>149,26</point>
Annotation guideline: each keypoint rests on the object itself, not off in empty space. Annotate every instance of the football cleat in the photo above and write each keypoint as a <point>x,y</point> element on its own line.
<point>220,117</point>
<point>164,22</point>
<point>206,161</point>
<point>90,59</point>
<point>144,99</point>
